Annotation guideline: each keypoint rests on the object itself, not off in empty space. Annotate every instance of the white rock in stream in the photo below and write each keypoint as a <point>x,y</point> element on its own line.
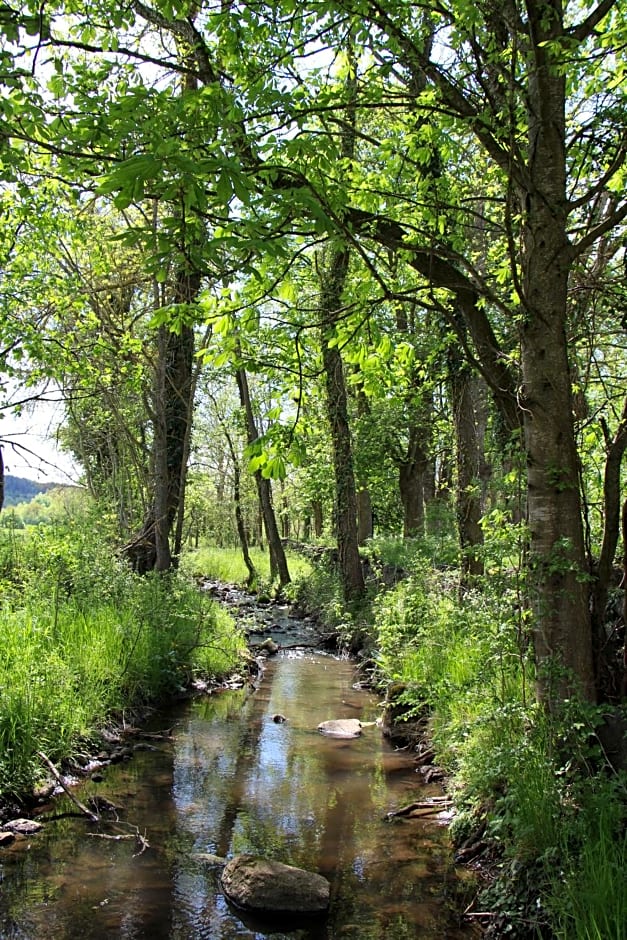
<point>23,826</point>
<point>265,886</point>
<point>341,728</point>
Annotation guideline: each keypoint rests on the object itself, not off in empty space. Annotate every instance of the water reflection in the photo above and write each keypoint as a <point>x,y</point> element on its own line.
<point>233,780</point>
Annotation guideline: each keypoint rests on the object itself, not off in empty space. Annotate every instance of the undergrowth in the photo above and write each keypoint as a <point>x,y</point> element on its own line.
<point>535,792</point>
<point>84,638</point>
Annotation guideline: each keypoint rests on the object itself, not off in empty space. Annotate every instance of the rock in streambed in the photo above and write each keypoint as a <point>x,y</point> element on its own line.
<point>268,887</point>
<point>341,728</point>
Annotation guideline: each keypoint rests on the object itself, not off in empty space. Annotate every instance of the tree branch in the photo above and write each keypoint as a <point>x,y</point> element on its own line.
<point>586,28</point>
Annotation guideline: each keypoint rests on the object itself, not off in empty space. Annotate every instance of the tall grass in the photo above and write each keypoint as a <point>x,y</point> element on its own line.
<point>588,895</point>
<point>83,638</point>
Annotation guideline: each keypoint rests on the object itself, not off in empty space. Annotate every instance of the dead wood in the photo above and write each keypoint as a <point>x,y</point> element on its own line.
<point>421,808</point>
<point>93,817</point>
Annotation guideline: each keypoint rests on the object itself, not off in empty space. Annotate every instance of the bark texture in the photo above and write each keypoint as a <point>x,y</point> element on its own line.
<point>171,415</point>
<point>559,574</point>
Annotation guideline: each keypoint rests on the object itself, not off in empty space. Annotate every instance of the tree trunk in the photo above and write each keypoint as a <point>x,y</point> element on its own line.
<point>278,561</point>
<point>318,519</point>
<point>159,510</point>
<point>171,415</point>
<point>558,573</point>
<point>239,516</point>
<point>365,525</point>
<point>365,519</point>
<point>624,531</point>
<point>608,684</point>
<point>411,480</point>
<point>468,501</point>
<point>241,527</point>
<point>333,278</point>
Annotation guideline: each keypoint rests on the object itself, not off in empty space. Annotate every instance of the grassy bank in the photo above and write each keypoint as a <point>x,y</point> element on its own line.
<point>540,807</point>
<point>84,639</point>
<point>227,565</point>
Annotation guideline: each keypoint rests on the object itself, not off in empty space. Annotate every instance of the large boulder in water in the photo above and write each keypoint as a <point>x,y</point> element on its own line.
<point>341,728</point>
<point>268,887</point>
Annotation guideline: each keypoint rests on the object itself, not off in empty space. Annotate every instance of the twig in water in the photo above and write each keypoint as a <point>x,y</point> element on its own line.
<point>94,817</point>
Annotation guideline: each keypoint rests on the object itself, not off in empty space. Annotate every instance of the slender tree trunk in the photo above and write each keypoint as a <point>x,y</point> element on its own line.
<point>607,683</point>
<point>559,573</point>
<point>333,278</point>
<point>278,561</point>
<point>318,519</point>
<point>468,452</point>
<point>365,525</point>
<point>1,479</point>
<point>241,526</point>
<point>624,532</point>
<point>158,515</point>
<point>365,521</point>
<point>242,534</point>
<point>411,474</point>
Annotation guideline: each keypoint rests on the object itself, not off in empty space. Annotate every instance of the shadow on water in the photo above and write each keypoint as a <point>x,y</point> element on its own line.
<point>232,780</point>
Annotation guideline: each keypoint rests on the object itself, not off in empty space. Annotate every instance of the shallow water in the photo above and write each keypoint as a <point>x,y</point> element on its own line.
<point>231,780</point>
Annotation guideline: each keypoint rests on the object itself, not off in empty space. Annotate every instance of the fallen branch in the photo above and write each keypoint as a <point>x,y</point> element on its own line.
<point>141,840</point>
<point>106,835</point>
<point>93,817</point>
<point>421,808</point>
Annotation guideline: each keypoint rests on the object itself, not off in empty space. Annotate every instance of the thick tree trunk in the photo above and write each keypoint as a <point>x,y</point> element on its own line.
<point>558,573</point>
<point>333,274</point>
<point>171,416</point>
<point>278,561</point>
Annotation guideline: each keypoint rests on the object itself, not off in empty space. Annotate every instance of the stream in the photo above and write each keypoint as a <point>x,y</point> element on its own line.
<point>227,779</point>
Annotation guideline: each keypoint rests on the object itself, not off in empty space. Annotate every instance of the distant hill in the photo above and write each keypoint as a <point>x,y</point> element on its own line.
<point>20,490</point>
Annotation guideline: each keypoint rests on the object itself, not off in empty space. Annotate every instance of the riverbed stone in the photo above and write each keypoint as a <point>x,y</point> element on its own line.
<point>268,887</point>
<point>341,728</point>
<point>24,826</point>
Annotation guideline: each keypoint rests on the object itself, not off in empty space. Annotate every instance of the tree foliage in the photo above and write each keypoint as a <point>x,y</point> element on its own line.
<point>481,203</point>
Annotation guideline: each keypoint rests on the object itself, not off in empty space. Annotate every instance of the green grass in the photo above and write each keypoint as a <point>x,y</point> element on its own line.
<point>227,565</point>
<point>589,895</point>
<point>83,639</point>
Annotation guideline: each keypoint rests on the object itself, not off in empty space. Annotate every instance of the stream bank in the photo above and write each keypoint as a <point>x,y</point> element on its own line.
<point>219,777</point>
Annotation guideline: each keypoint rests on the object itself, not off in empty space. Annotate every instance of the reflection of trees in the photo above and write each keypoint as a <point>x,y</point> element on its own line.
<point>309,800</point>
<point>73,885</point>
<point>238,782</point>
